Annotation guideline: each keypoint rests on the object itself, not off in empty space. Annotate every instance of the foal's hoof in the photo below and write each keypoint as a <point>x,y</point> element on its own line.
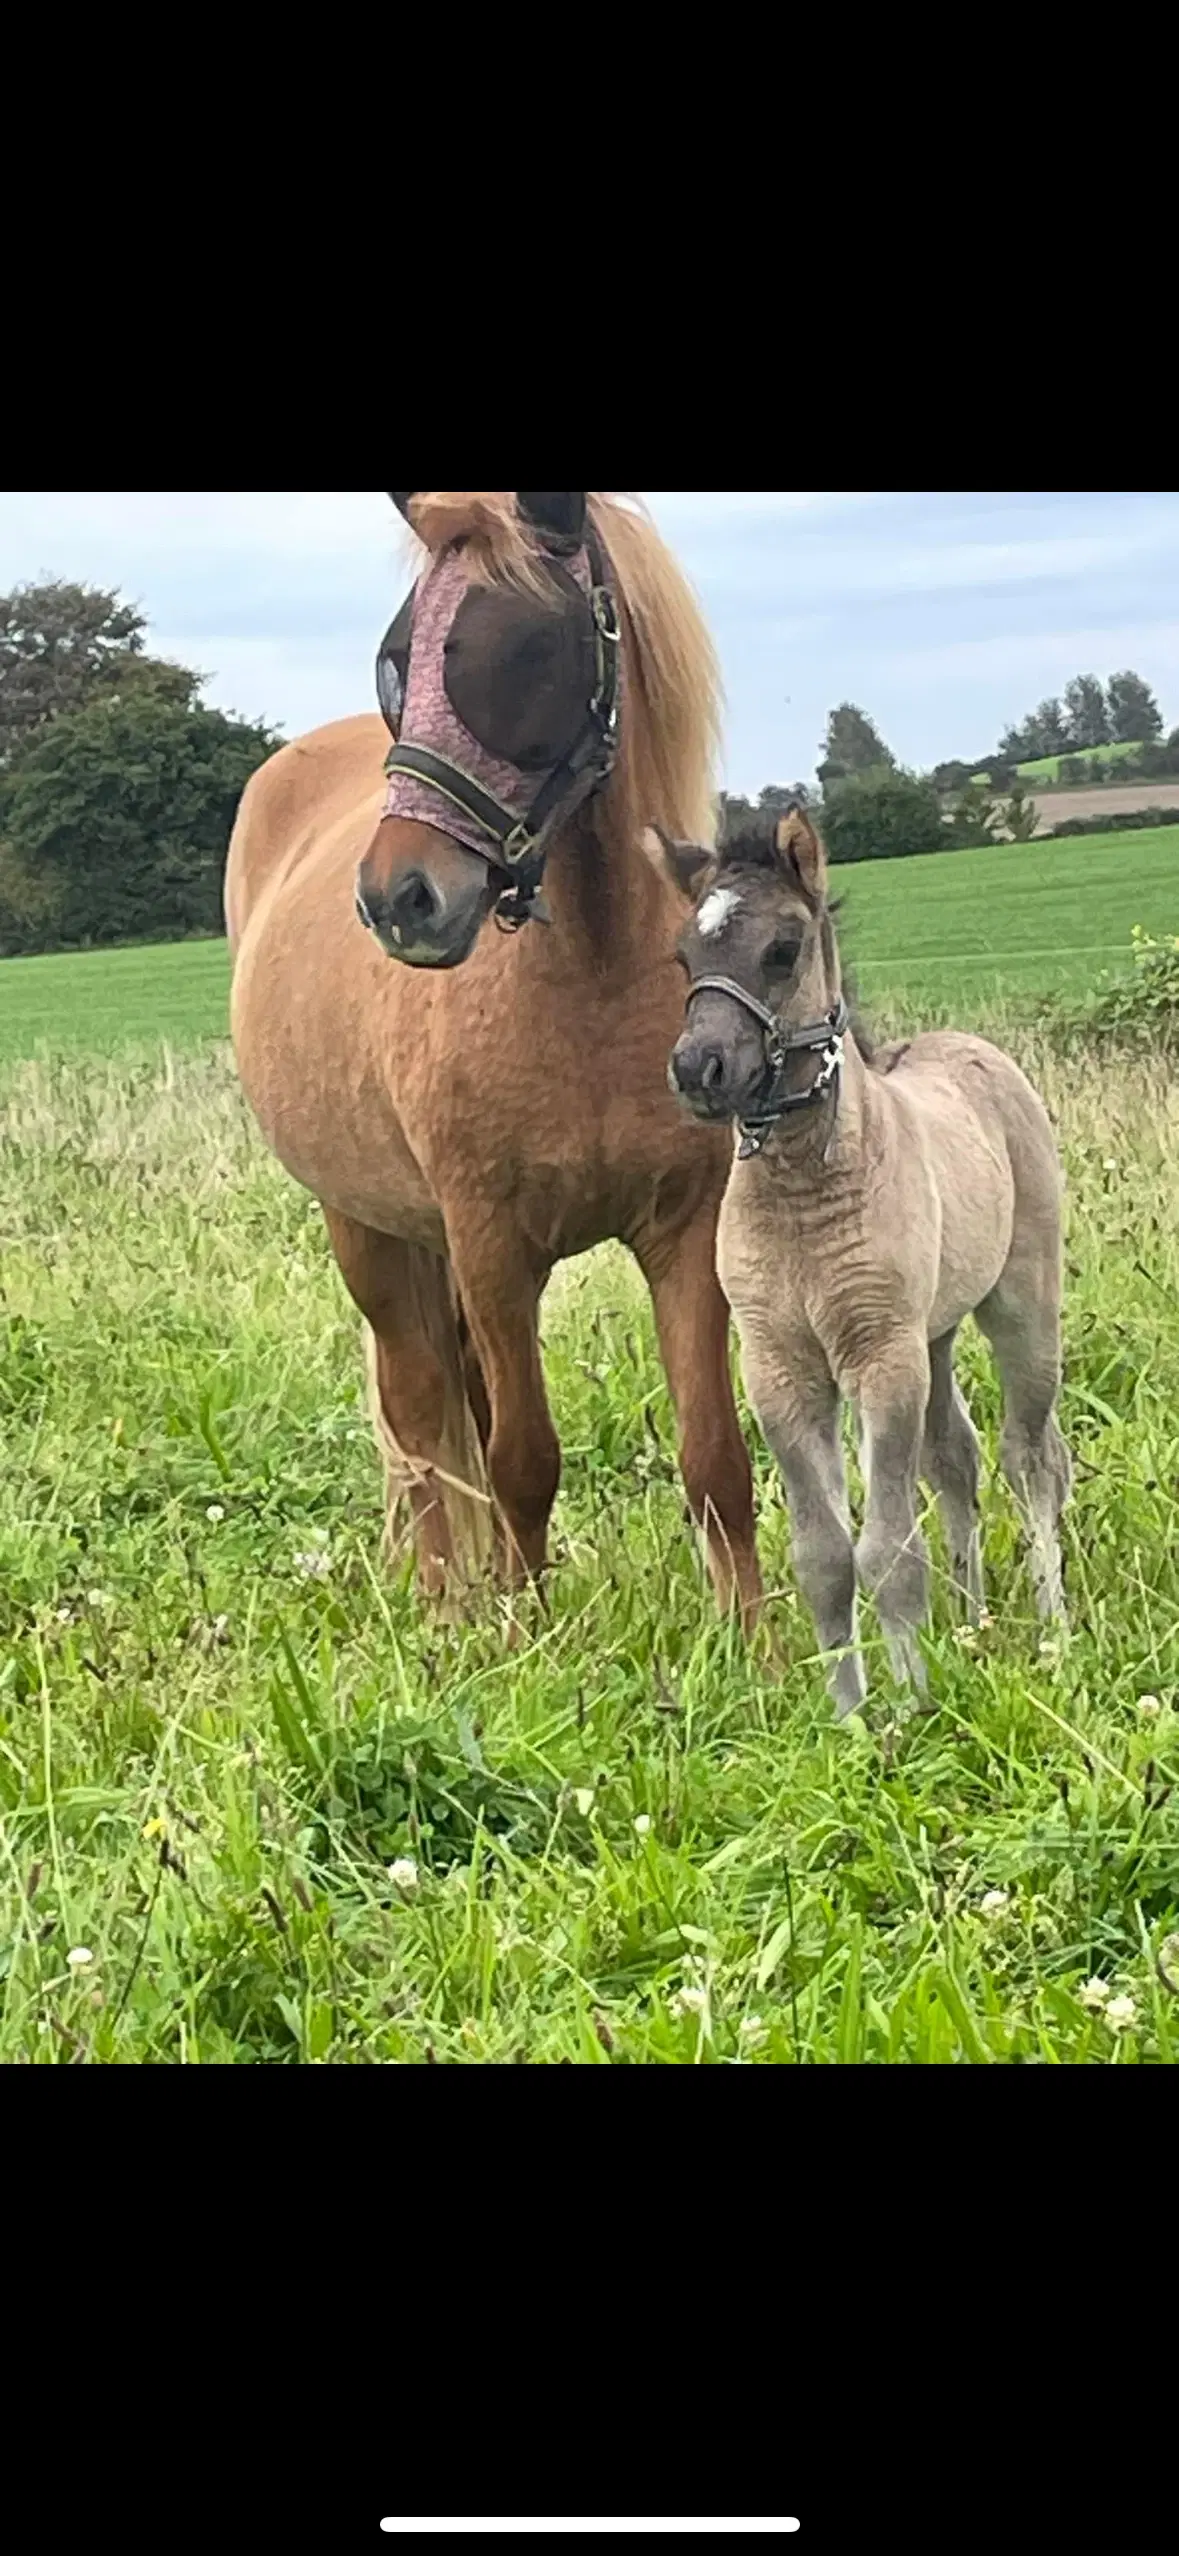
<point>849,1686</point>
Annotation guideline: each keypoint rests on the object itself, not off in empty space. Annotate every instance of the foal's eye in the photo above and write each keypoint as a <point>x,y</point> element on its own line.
<point>780,957</point>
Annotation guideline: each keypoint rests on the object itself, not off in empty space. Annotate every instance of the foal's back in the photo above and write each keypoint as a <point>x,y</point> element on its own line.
<point>986,1145</point>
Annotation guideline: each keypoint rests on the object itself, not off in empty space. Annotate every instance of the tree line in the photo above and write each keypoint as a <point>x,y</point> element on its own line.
<point>871,808</point>
<point>118,784</point>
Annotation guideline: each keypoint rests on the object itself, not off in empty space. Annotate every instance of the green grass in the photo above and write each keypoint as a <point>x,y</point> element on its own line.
<point>964,930</point>
<point>954,929</point>
<point>101,1000</point>
<point>1055,767</point>
<point>222,1719</point>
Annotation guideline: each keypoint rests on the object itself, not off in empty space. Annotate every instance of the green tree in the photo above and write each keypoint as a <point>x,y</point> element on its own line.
<point>852,744</point>
<point>1051,728</point>
<point>118,817</point>
<point>1085,707</point>
<point>64,645</point>
<point>878,815</point>
<point>778,797</point>
<point>1020,815</point>
<point>1134,715</point>
<point>975,814</point>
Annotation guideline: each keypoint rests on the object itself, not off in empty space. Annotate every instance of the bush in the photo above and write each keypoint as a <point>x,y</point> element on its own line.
<point>117,821</point>
<point>1140,1008</point>
<point>882,815</point>
<point>1135,820</point>
<point>29,906</point>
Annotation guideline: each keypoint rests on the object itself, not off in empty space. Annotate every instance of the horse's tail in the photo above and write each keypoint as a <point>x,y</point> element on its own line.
<point>458,1472</point>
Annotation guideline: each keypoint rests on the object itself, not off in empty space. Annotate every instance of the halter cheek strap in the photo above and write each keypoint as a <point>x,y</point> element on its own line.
<point>824,1037</point>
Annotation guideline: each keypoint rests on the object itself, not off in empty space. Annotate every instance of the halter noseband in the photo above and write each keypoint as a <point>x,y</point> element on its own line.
<point>518,845</point>
<point>825,1035</point>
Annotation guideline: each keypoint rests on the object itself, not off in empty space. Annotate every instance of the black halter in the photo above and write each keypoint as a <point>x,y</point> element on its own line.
<point>519,845</point>
<point>775,1103</point>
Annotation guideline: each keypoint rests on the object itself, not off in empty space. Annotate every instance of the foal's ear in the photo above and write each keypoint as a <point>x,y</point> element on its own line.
<point>560,519</point>
<point>800,848</point>
<point>689,866</point>
<point>402,504</point>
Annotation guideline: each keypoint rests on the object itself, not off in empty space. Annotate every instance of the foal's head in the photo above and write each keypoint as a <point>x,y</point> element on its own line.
<point>499,681</point>
<point>761,922</point>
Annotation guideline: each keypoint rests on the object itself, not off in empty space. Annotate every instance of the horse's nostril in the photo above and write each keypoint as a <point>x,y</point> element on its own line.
<point>714,1072</point>
<point>416,901</point>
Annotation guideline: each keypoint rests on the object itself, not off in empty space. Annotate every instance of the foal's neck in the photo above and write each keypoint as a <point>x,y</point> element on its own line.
<point>809,1146</point>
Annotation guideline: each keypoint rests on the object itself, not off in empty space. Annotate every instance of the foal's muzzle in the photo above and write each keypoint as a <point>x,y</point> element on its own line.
<point>700,1073</point>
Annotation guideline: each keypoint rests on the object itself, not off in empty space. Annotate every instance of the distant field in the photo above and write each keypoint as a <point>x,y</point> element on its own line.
<point>954,928</point>
<point>1048,767</point>
<point>1019,920</point>
<point>102,999</point>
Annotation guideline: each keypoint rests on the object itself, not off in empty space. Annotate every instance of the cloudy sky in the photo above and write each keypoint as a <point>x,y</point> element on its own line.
<point>943,615</point>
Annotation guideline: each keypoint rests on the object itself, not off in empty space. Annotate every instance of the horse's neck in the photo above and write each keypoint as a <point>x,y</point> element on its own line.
<point>602,895</point>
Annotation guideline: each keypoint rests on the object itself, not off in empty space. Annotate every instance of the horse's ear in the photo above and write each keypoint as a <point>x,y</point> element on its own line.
<point>402,504</point>
<point>560,519</point>
<point>689,866</point>
<point>801,849</point>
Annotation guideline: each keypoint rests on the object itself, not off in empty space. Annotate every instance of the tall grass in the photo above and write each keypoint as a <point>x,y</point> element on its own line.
<point>615,1836</point>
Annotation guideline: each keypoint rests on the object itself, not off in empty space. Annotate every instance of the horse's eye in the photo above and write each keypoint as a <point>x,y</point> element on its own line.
<point>780,957</point>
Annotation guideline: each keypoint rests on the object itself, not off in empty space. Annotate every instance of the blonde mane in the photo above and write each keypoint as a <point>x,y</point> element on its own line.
<point>671,690</point>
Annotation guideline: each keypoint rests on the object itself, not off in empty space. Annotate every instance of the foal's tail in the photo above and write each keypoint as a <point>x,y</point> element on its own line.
<point>457,1471</point>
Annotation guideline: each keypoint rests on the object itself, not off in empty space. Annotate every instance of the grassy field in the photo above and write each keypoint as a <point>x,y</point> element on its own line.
<point>958,928</point>
<point>1056,767</point>
<point>620,1839</point>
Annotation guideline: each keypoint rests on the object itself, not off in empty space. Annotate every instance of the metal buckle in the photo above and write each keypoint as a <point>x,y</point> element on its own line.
<point>517,845</point>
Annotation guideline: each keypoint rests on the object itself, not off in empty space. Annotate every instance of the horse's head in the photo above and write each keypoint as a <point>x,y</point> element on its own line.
<point>763,967</point>
<point>499,680</point>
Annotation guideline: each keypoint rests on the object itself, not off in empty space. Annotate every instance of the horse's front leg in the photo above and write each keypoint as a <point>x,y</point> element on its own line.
<point>692,1319</point>
<point>500,1292</point>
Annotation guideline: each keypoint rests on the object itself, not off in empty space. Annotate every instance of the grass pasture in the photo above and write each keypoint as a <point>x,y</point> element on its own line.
<point>950,930</point>
<point>1047,768</point>
<point>622,1840</point>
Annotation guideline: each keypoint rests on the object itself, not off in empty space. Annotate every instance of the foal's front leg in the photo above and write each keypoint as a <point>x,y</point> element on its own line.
<point>892,1389</point>
<point>797,1407</point>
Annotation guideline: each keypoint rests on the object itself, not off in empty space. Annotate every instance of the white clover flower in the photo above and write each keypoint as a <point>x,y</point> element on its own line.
<point>215,1513</point>
<point>966,1637</point>
<point>404,1873</point>
<point>985,1619</point>
<point>1094,1995</point>
<point>314,1566</point>
<point>80,1957</point>
<point>98,1597</point>
<point>689,2001</point>
<point>1120,2013</point>
<point>642,1825</point>
<point>584,1800</point>
<point>1109,1164</point>
<point>753,2030</point>
<point>1150,1707</point>
<point>65,1615</point>
<point>994,1903</point>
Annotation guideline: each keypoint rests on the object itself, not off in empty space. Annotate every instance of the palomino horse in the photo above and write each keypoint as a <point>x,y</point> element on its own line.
<point>500,1101</point>
<point>871,1206</point>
